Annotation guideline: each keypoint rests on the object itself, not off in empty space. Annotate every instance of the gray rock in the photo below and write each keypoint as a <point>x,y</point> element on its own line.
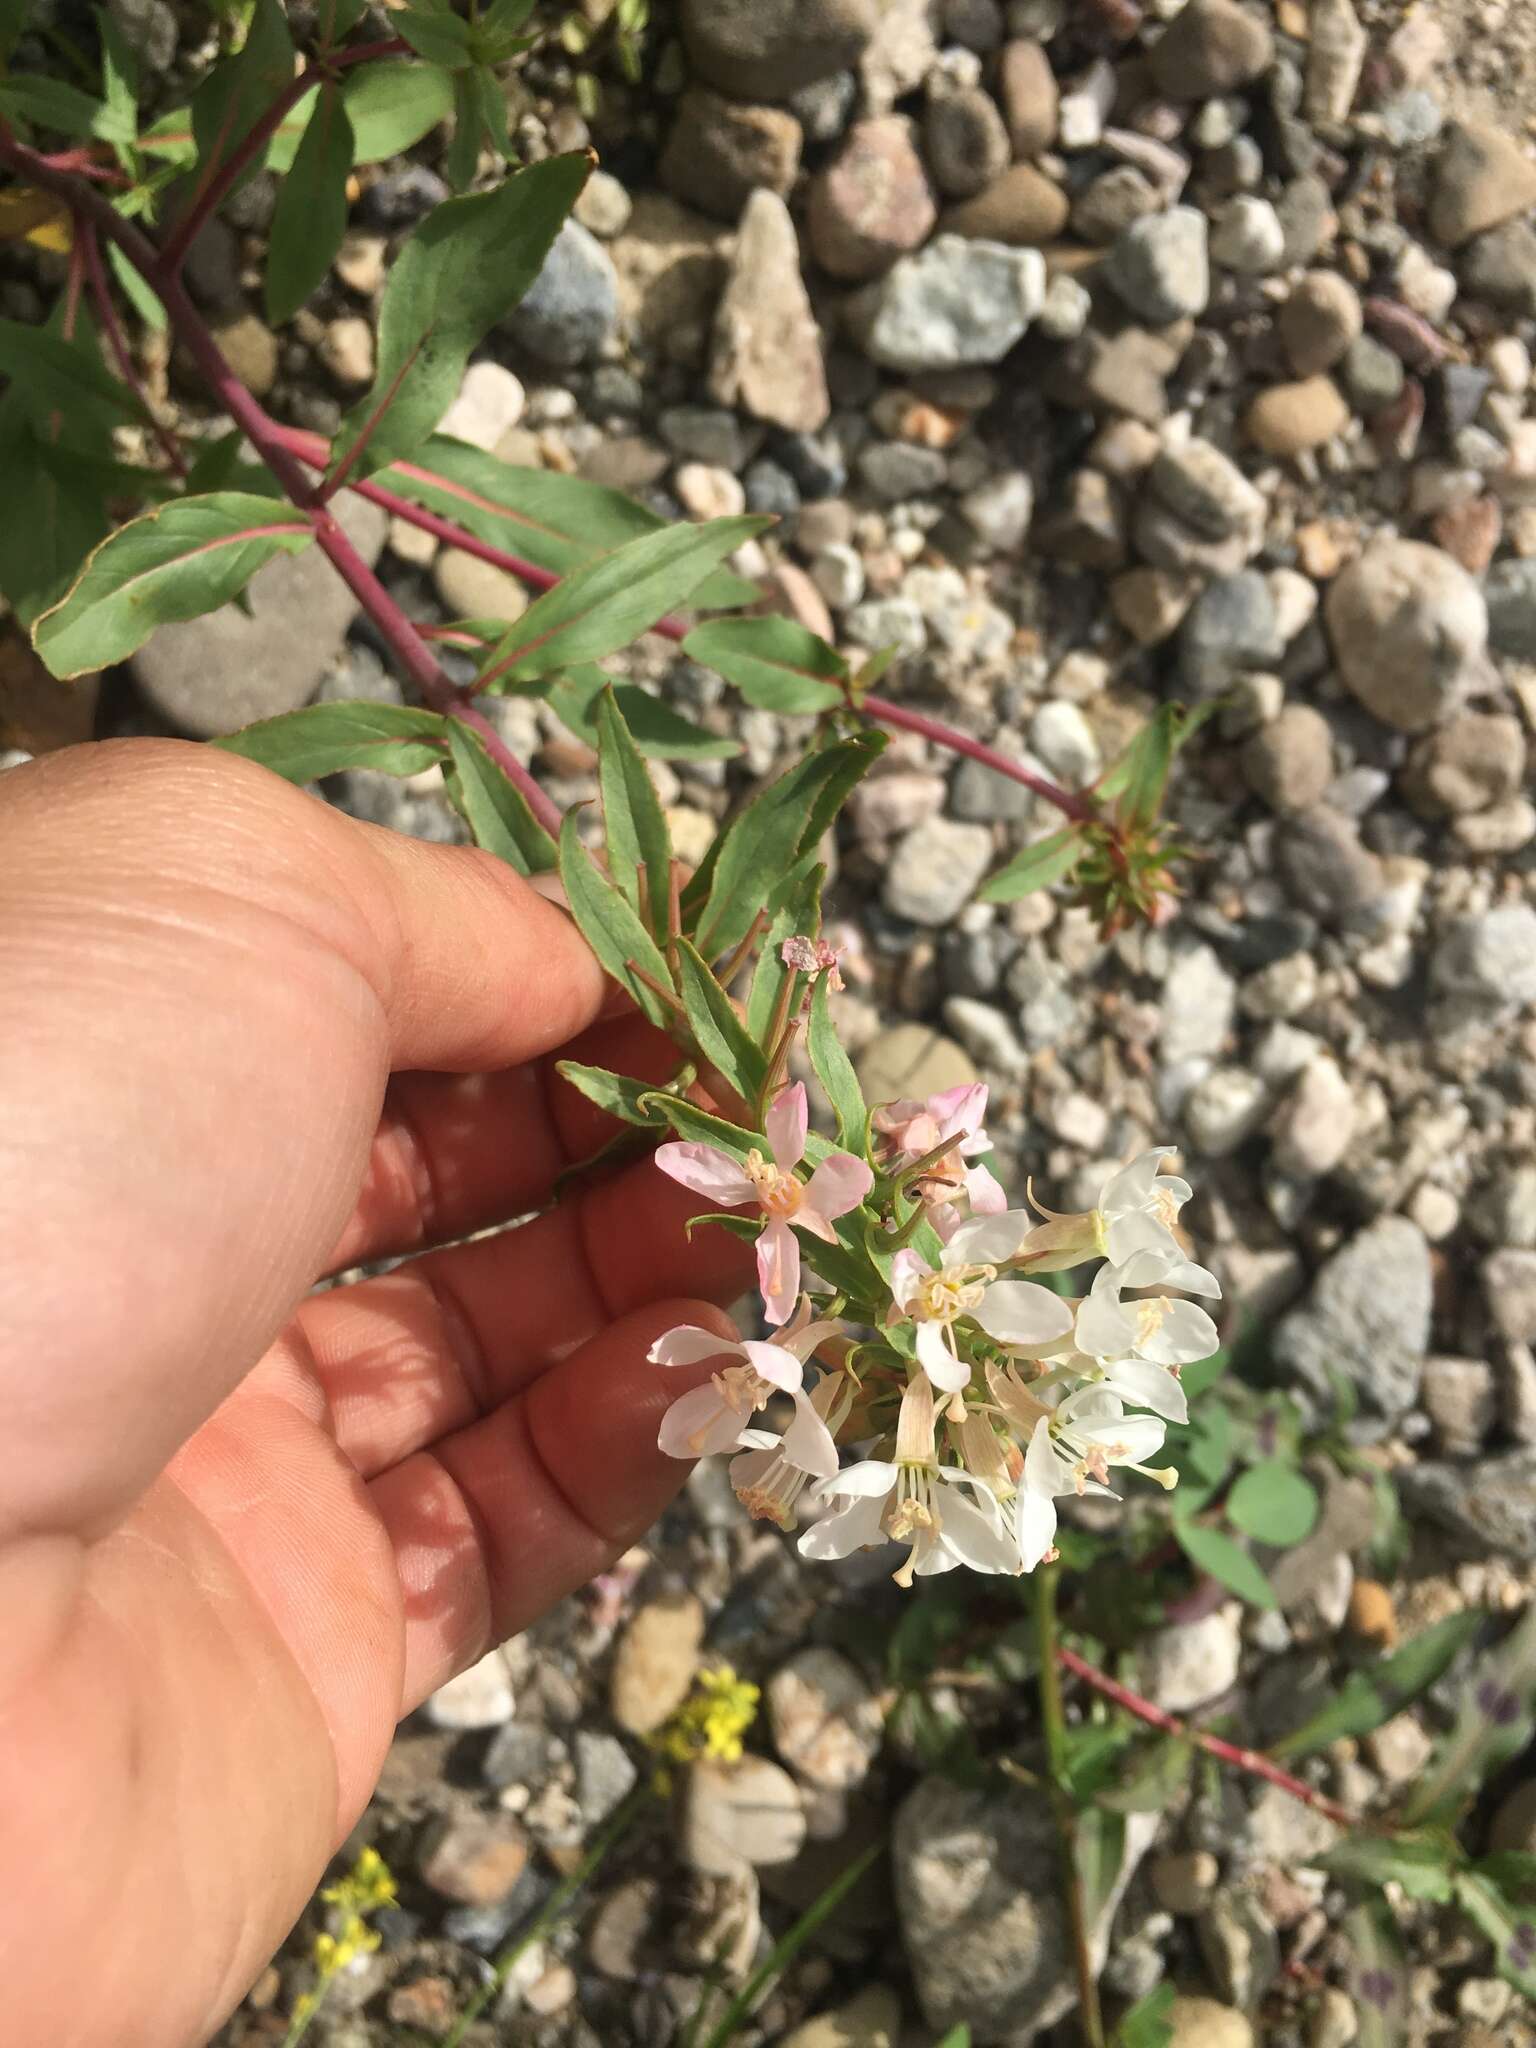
<point>1160,267</point>
<point>935,869</point>
<point>572,307</point>
<point>827,1724</point>
<point>150,29</point>
<point>1185,1666</point>
<point>1491,957</point>
<point>1475,761</point>
<point>955,303</point>
<point>1367,1317</point>
<point>1407,624</point>
<point>768,49</point>
<point>964,139</point>
<point>766,354</point>
<point>1496,1515</point>
<point>732,1815</point>
<point>1223,1110</point>
<point>1510,590</point>
<point>1372,375</point>
<point>1482,177</point>
<point>1230,627</point>
<point>1313,1127</point>
<point>1461,1402</point>
<point>605,1774</point>
<point>1207,491</point>
<point>1199,1001</point>
<point>1500,267</point>
<point>212,675</point>
<point>895,470</point>
<point>1509,1287</point>
<point>1327,870</point>
<point>1210,47</point>
<point>1247,236</point>
<point>1289,762</point>
<point>912,1060</point>
<point>720,152</point>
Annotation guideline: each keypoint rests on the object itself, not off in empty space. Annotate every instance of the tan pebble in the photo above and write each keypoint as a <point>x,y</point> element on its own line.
<point>1288,419</point>
<point>1372,1615</point>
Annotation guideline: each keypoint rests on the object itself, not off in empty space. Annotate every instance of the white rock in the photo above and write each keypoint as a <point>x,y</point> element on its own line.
<point>480,1697</point>
<point>490,403</point>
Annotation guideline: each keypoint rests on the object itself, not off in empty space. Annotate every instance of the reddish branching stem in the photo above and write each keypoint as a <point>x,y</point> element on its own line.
<point>117,342</point>
<point>1240,1759</point>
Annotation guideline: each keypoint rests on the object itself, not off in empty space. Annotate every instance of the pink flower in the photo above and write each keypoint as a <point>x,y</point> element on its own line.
<point>813,956</point>
<point>914,1129</point>
<point>838,1185</point>
<point>715,1417</point>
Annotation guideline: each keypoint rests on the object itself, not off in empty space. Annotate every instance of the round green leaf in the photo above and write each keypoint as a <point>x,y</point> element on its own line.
<point>1274,1504</point>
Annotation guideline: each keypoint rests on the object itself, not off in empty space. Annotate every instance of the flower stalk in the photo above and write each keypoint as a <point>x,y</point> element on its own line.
<point>1053,1715</point>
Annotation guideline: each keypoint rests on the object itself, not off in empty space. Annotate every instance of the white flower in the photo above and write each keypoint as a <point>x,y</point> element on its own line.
<point>1072,1451</point>
<point>1026,1317</point>
<point>765,1476</point>
<point>913,1499</point>
<point>1138,1209</point>
<point>714,1417</point>
<point>1156,1327</point>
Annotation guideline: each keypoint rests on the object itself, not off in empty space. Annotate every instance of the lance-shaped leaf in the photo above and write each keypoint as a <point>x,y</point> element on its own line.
<point>639,844</point>
<point>496,812</point>
<point>1368,1698</point>
<point>799,916</point>
<point>1378,1979</point>
<point>184,558</point>
<point>1508,1924</point>
<point>465,266</point>
<point>1156,1778</point>
<point>1424,1863</point>
<point>335,18</point>
<point>1147,2024</point>
<point>1494,1722</point>
<point>660,733</point>
<point>1099,1851</point>
<point>1048,860</point>
<point>631,1101</point>
<point>1139,778</point>
<point>51,374</point>
<point>390,106</point>
<point>328,739</point>
<point>721,1035</point>
<point>50,103</point>
<point>435,32</point>
<point>239,90</point>
<point>604,606</point>
<point>611,926</point>
<point>556,522</point>
<point>311,213</point>
<point>777,664</point>
<point>834,1070</point>
<point>1226,1561</point>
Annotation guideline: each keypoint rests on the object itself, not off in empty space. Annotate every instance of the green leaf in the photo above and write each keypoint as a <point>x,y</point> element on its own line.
<point>657,730</point>
<point>138,294</point>
<point>1199,1378</point>
<point>721,1035</point>
<point>464,267</point>
<point>1147,2024</point>
<point>702,1127</point>
<point>311,213</point>
<point>1274,1504</point>
<point>496,36</point>
<point>221,465</point>
<point>1512,1870</point>
<point>782,824</point>
<point>1368,1698</point>
<point>1099,1847</point>
<point>1158,1775</point>
<point>1046,861</point>
<point>1211,1552</point>
<point>633,1102</point>
<point>50,103</point>
<point>170,138</point>
<point>834,1070</point>
<point>119,84</point>
<point>239,90</point>
<point>957,2037</point>
<point>609,602</point>
<point>1494,1722</point>
<point>13,23</point>
<point>776,663</point>
<point>1511,1930</point>
<point>182,559</point>
<point>50,374</point>
<point>65,517</point>
<point>1140,777</point>
<point>556,522</point>
<point>1424,1864</point>
<point>392,106</point>
<point>462,159</point>
<point>435,32</point>
<point>610,925</point>
<point>326,739</point>
<point>1379,1980</point>
<point>335,19</point>
<point>495,810</point>
<point>639,844</point>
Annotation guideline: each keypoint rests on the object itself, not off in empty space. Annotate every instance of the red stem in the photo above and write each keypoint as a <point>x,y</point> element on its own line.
<point>91,209</point>
<point>886,713</point>
<point>1249,1760</point>
<point>224,176</point>
<point>117,342</point>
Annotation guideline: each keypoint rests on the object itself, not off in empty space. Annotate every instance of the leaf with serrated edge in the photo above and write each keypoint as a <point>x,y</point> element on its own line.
<point>777,664</point>
<point>311,213</point>
<point>721,1036</point>
<point>496,812</point>
<point>328,739</point>
<point>609,602</point>
<point>639,845</point>
<point>463,269</point>
<point>609,924</point>
<point>176,562</point>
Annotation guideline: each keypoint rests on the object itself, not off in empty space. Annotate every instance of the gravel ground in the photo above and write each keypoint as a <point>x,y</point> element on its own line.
<point>1094,353</point>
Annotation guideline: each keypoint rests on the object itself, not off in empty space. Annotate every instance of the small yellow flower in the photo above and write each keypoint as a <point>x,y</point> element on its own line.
<point>712,1720</point>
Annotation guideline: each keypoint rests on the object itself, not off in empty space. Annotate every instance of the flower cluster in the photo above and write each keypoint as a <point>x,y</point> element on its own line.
<point>976,1394</point>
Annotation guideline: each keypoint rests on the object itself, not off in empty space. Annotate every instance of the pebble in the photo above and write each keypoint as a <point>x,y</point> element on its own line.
<point>1474,761</point>
<point>1460,1400</point>
<point>475,1858</point>
<point>895,470</point>
<point>1368,1317</point>
<point>769,49</point>
<point>1290,419</point>
<point>1224,1110</point>
<point>346,351</point>
<point>1497,1515</point>
<point>489,405</point>
<point>1246,236</point>
<point>620,1939</point>
<point>999,511</point>
<point>734,1815</point>
<point>655,1661</point>
<point>1063,739</point>
<point>480,1697</point>
<point>935,870</point>
<point>1229,627</point>
<point>1187,1666</point>
<point>827,1724</point>
<point>572,308</point>
<point>1407,623</point>
<point>1510,592</point>
<point>249,346</point>
<point>1182,1881</point>
<point>766,354</point>
<point>1288,763</point>
<point>964,141</point>
<point>1210,47</point>
<point>360,263</point>
<point>1198,1005</point>
<point>1204,2023</point>
<point>1022,208</point>
<point>1320,321</point>
<point>1491,957</point>
<point>1150,603</point>
<point>871,2020</point>
<point>957,302</point>
<point>604,207</point>
<point>473,589</point>
<point>720,152</point>
<point>872,203</point>
<point>1482,178</point>
<point>1030,97</point>
<point>1160,265</point>
<point>1315,1125</point>
<point>912,1060</point>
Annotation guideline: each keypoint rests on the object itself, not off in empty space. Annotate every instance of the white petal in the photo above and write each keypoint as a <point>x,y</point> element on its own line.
<point>1146,1385</point>
<point>908,1270</point>
<point>808,1442</point>
<point>977,1538</point>
<point>985,1191</point>
<point>1131,1187</point>
<point>1046,1472</point>
<point>707,1171</point>
<point>1105,1327</point>
<point>871,1477</point>
<point>758,1440</point>
<point>698,1425</point>
<point>689,1345</point>
<point>988,1240</point>
<point>1020,1312</point>
<point>1185,1334</point>
<point>959,1112</point>
<point>1129,1441</point>
<point>938,1361</point>
<point>1034,1527</point>
<point>1126,1236</point>
<point>856,1527</point>
<point>786,1125</point>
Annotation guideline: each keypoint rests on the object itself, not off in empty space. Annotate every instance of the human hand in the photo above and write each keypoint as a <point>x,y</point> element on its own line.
<point>244,1528</point>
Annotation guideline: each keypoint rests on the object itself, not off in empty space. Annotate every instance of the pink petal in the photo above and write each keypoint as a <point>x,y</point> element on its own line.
<point>699,1424</point>
<point>838,1185</point>
<point>778,1271</point>
<point>786,1125</point>
<point>689,1345</point>
<point>780,1368</point>
<point>708,1172</point>
<point>985,1191</point>
<point>959,1111</point>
